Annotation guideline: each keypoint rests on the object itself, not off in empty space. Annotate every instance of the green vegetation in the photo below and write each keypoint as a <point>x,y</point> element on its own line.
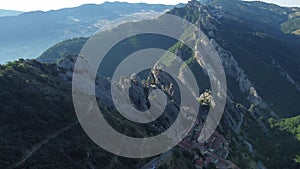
<point>62,49</point>
<point>287,134</point>
<point>168,59</point>
<point>255,55</point>
<point>34,102</point>
<point>291,26</point>
<point>291,125</point>
<point>36,111</point>
<point>186,13</point>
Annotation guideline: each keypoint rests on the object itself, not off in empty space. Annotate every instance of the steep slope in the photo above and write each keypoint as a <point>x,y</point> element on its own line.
<point>38,121</point>
<point>39,128</point>
<point>264,55</point>
<point>265,58</point>
<point>292,25</point>
<point>261,65</point>
<point>252,61</point>
<point>266,17</point>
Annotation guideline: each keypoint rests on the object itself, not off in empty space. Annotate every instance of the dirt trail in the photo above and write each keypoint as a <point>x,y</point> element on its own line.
<point>37,146</point>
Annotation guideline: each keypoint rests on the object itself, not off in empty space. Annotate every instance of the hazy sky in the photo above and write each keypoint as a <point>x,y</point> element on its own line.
<point>31,5</point>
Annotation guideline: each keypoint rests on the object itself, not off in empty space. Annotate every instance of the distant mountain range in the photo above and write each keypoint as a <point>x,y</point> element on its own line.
<point>29,34</point>
<point>4,12</point>
<point>257,25</point>
<point>258,45</point>
<point>261,62</point>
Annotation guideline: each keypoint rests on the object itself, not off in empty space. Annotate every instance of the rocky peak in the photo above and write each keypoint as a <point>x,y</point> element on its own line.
<point>193,3</point>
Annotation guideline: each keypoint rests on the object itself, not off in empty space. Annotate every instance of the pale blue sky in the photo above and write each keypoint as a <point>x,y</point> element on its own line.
<point>32,5</point>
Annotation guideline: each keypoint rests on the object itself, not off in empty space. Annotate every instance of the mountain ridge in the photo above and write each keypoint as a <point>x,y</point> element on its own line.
<point>7,13</point>
<point>29,34</point>
<point>261,103</point>
<point>247,81</point>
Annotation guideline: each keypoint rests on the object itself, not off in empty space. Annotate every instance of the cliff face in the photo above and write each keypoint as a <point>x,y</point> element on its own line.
<point>251,65</point>
<point>246,107</point>
<point>262,88</point>
<point>214,151</point>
